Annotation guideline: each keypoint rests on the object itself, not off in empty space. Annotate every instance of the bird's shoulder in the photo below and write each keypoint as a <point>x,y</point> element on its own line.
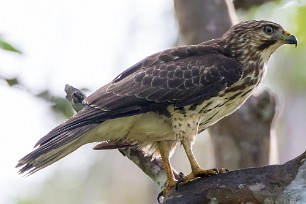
<point>166,59</point>
<point>179,75</point>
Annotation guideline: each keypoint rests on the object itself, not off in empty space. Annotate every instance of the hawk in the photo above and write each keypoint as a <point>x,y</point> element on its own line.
<point>168,97</point>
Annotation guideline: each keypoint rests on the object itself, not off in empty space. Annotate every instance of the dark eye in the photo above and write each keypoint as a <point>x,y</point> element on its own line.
<point>268,29</point>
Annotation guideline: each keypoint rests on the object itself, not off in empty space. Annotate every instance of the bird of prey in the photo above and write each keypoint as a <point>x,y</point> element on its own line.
<point>168,97</point>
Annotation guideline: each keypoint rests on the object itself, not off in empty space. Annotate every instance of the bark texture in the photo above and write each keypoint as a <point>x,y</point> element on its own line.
<point>270,184</point>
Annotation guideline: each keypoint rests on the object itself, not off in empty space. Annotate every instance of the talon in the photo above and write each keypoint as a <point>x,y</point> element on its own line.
<point>198,173</point>
<point>223,170</point>
<point>211,172</point>
<point>164,193</point>
<point>181,175</point>
<point>185,179</point>
<point>180,180</point>
<point>159,196</point>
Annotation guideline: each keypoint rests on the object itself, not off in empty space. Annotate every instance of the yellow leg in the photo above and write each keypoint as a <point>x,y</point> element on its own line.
<point>196,170</point>
<point>164,151</point>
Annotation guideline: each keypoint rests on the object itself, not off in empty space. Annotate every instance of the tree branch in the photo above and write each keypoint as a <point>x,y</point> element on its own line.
<point>153,167</point>
<point>270,184</point>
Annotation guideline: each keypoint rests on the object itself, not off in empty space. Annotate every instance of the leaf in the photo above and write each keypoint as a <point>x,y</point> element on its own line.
<point>58,104</point>
<point>12,81</point>
<point>61,105</point>
<point>8,47</point>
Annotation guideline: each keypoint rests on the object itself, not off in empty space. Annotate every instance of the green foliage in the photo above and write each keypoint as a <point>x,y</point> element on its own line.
<point>293,63</point>
<point>11,81</point>
<point>58,104</point>
<point>24,201</point>
<point>299,21</point>
<point>4,45</point>
<point>61,105</point>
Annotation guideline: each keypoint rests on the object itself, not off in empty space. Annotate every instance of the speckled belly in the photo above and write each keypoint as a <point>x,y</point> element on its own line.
<point>194,119</point>
<point>221,106</point>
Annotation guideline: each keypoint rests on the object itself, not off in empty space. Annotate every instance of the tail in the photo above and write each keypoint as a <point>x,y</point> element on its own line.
<point>60,142</point>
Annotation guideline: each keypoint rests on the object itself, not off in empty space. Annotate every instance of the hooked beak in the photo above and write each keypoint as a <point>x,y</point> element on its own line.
<point>289,39</point>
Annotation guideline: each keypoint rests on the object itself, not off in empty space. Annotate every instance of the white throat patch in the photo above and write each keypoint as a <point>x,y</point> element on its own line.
<point>265,54</point>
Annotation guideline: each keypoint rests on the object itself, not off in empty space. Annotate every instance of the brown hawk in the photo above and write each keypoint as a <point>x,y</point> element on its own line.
<point>168,97</point>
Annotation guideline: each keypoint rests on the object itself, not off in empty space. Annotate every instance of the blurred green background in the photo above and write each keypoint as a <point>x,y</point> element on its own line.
<point>47,44</point>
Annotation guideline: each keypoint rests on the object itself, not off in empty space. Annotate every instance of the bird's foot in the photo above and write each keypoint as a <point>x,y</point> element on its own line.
<point>168,186</point>
<point>200,173</point>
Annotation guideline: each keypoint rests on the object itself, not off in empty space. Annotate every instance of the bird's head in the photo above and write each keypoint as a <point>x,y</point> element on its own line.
<point>260,37</point>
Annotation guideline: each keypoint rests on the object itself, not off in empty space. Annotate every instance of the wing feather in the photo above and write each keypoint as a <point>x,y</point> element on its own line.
<point>187,75</point>
<point>195,78</point>
<point>179,76</point>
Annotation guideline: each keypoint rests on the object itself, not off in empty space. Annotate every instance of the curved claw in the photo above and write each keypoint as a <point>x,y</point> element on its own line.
<point>223,170</point>
<point>185,179</point>
<point>199,173</point>
<point>180,180</point>
<point>214,171</point>
<point>166,191</point>
<point>159,196</point>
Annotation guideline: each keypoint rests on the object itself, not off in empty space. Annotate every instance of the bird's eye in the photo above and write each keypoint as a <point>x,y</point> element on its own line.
<point>268,29</point>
